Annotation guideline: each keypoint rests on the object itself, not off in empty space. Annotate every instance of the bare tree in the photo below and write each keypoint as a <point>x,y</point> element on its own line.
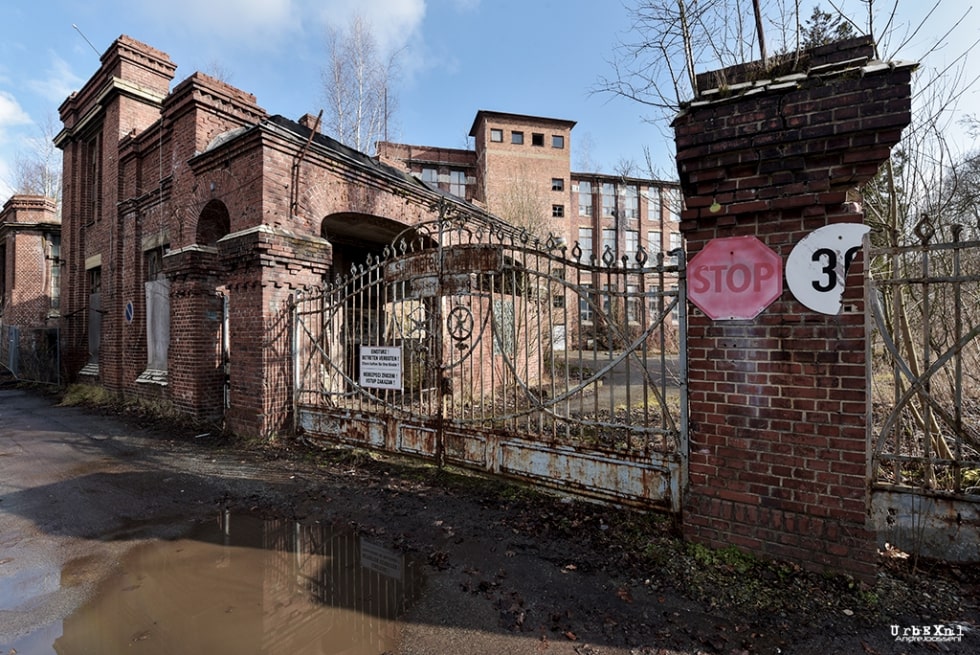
<point>525,205</point>
<point>37,169</point>
<point>585,145</point>
<point>356,83</point>
<point>670,42</point>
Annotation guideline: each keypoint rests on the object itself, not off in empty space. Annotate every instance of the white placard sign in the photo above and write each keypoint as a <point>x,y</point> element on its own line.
<point>381,367</point>
<point>817,266</point>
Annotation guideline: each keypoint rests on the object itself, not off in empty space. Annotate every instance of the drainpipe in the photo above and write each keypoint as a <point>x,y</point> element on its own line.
<point>294,175</point>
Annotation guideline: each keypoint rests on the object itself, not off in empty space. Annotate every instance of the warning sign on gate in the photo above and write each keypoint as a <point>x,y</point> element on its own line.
<point>381,367</point>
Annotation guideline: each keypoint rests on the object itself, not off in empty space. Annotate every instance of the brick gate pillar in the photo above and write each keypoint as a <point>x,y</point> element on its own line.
<point>264,267</point>
<point>196,375</point>
<point>778,404</point>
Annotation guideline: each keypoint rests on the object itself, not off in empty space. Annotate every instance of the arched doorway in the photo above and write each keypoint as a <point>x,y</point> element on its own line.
<point>212,224</point>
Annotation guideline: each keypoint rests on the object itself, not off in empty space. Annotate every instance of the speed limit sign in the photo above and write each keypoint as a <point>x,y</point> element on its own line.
<point>817,266</point>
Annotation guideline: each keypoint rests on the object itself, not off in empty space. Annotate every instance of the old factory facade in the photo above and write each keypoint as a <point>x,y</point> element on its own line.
<point>190,216</point>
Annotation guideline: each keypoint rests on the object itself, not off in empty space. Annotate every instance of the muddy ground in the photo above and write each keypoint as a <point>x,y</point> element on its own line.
<point>507,568</point>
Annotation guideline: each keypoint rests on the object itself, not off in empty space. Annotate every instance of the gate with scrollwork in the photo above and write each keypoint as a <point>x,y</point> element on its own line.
<point>487,349</point>
<point>924,468</point>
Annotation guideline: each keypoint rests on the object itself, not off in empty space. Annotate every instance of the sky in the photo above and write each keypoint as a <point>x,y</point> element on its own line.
<point>457,57</point>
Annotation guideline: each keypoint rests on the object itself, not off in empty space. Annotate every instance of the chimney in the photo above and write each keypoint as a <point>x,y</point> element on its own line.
<point>310,121</point>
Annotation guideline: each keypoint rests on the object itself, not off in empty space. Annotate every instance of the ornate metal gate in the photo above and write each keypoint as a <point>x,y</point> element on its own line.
<point>925,357</point>
<point>487,349</point>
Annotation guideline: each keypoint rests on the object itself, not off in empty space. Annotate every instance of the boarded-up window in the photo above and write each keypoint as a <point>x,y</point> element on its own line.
<point>94,314</point>
<point>157,290</point>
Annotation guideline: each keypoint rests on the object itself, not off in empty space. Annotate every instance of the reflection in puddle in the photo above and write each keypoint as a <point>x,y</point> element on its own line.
<point>244,585</point>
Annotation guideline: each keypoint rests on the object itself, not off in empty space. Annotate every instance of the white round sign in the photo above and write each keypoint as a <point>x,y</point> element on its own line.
<point>817,266</point>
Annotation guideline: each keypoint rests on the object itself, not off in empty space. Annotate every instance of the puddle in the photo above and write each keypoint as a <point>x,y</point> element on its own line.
<point>245,585</point>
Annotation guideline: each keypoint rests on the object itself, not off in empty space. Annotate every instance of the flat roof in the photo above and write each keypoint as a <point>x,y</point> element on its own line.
<point>523,118</point>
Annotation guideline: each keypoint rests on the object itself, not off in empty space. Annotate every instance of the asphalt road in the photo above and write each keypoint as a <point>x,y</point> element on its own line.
<point>89,501</point>
<point>80,492</point>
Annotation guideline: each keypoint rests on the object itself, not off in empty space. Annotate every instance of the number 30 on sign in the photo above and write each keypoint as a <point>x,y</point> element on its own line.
<point>817,266</point>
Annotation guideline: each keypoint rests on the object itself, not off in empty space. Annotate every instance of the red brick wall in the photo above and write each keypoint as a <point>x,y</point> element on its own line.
<point>778,403</point>
<point>91,230</point>
<point>26,222</point>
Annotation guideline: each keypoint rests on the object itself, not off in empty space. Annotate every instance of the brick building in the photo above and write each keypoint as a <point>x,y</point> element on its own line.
<point>30,286</point>
<point>520,170</point>
<point>190,217</point>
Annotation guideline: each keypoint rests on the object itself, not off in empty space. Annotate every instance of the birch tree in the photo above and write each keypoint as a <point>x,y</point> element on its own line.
<point>37,168</point>
<point>357,86</point>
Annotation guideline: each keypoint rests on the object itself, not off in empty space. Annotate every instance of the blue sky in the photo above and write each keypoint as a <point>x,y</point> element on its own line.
<point>537,57</point>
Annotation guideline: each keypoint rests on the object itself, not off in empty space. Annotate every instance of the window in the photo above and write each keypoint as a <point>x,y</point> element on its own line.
<point>585,243</point>
<point>633,304</point>
<point>654,241</point>
<point>517,138</point>
<point>558,290</point>
<point>154,263</point>
<point>557,184</point>
<point>675,244</point>
<point>631,203</point>
<point>496,135</point>
<point>94,317</point>
<point>584,304</point>
<point>608,291</point>
<point>585,199</point>
<point>631,239</point>
<point>537,139</point>
<point>608,242</point>
<point>53,256</point>
<point>95,280</point>
<point>653,204</point>
<point>608,199</point>
<point>457,183</point>
<point>157,295</point>
<point>93,183</point>
<point>672,200</point>
<point>656,301</point>
<point>430,176</point>
<point>558,211</point>
<point>557,141</point>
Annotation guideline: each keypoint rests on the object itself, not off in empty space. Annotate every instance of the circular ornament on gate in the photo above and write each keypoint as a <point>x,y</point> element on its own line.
<point>460,323</point>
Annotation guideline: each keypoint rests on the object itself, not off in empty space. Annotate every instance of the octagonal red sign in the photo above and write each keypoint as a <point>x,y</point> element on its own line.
<point>734,278</point>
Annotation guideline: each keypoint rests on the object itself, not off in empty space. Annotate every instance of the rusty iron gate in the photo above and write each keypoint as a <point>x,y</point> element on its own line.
<point>487,349</point>
<point>924,371</point>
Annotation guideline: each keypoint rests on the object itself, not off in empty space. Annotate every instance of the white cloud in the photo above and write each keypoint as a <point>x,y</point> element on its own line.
<point>11,113</point>
<point>252,21</point>
<point>58,83</point>
<point>394,23</point>
<point>11,116</point>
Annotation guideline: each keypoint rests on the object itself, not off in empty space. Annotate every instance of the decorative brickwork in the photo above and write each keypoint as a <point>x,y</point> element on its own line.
<point>778,403</point>
<point>30,230</point>
<point>191,216</point>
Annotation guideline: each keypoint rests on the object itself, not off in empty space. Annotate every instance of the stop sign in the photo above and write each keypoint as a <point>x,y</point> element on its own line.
<point>734,278</point>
